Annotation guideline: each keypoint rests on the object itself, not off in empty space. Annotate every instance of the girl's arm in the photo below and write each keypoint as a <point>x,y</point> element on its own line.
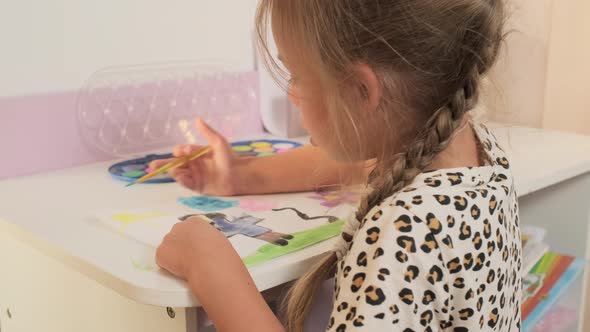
<point>222,173</point>
<point>303,169</point>
<point>197,252</point>
<point>230,297</point>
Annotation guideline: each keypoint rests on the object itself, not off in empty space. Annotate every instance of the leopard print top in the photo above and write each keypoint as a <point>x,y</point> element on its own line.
<point>444,254</point>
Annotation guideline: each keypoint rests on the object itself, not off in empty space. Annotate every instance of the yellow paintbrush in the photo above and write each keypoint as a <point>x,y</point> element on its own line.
<point>172,164</point>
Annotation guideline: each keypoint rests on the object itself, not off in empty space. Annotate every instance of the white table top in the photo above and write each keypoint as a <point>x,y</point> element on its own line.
<point>51,212</point>
<point>541,158</point>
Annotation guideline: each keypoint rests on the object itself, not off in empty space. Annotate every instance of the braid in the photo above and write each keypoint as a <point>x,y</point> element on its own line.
<point>432,140</point>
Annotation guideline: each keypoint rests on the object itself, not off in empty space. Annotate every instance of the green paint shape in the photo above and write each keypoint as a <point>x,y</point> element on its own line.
<point>264,154</point>
<point>134,174</point>
<point>143,267</point>
<point>300,241</point>
<point>242,148</point>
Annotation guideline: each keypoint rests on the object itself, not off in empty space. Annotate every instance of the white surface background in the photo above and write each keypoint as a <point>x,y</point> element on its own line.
<point>56,45</point>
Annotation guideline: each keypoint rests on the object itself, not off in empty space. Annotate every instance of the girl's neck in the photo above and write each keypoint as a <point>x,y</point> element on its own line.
<point>464,150</point>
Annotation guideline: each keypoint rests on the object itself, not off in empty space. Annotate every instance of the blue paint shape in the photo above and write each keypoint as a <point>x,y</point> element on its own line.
<point>207,204</point>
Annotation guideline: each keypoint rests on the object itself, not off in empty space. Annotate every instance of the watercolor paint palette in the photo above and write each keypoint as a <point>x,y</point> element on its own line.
<point>131,170</point>
<point>262,148</point>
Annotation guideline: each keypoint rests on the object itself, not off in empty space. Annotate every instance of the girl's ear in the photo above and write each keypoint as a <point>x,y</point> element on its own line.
<point>371,89</point>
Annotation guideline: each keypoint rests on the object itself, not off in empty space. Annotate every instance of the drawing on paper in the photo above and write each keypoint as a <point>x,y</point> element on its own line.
<point>301,240</point>
<point>127,219</point>
<point>305,217</point>
<point>143,267</point>
<point>246,225</point>
<point>284,223</point>
<point>335,198</point>
<point>207,204</point>
<point>253,205</point>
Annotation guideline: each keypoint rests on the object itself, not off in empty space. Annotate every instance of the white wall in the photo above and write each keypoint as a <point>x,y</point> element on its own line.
<point>518,81</point>
<point>568,86</point>
<point>543,77</point>
<point>56,45</point>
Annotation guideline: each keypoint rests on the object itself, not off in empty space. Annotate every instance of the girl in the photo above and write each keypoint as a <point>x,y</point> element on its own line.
<point>435,245</point>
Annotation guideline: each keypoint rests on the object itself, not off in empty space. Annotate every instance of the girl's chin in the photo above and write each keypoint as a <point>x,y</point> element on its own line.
<point>312,141</point>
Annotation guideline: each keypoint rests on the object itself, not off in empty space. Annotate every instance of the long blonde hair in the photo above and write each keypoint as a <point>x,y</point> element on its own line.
<point>428,56</point>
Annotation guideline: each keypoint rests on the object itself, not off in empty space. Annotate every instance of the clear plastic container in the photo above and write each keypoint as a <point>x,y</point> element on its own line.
<point>138,109</point>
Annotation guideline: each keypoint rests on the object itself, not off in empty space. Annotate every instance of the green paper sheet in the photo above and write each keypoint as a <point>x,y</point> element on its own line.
<point>300,241</point>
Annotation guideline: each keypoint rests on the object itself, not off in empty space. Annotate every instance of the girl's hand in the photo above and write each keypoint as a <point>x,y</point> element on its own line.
<point>213,174</point>
<point>193,245</point>
<point>197,252</point>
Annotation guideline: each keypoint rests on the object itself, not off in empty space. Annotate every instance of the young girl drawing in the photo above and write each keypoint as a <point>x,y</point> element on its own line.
<point>385,88</point>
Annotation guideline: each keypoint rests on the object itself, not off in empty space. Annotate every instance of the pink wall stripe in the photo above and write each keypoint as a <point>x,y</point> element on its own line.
<point>43,132</point>
<point>40,133</point>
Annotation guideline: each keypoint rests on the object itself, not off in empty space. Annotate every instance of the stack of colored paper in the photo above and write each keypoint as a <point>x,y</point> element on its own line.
<point>550,276</point>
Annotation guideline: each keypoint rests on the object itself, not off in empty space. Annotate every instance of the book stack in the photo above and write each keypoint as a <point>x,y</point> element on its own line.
<point>546,277</point>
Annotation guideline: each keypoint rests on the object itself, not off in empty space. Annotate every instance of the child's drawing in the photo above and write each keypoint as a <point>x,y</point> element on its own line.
<point>143,267</point>
<point>335,198</point>
<point>207,204</point>
<point>244,225</point>
<point>253,205</point>
<point>285,223</point>
<point>304,216</point>
<point>127,219</point>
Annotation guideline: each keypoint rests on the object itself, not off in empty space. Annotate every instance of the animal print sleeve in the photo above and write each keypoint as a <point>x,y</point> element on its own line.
<point>393,278</point>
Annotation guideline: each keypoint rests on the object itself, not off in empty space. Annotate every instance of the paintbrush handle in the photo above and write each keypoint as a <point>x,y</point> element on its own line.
<point>181,161</point>
<point>201,153</point>
<point>173,164</point>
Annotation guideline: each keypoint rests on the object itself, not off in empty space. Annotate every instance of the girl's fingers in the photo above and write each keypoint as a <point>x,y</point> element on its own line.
<point>222,151</point>
<point>176,172</point>
<point>187,181</point>
<point>157,164</point>
<point>184,177</point>
<point>154,165</point>
<point>185,150</point>
<point>195,168</point>
<point>214,139</point>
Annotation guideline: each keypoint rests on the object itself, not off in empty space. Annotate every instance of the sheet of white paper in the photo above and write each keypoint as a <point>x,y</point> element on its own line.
<point>149,225</point>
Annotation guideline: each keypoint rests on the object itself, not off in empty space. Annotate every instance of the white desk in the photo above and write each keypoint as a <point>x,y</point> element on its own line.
<point>62,272</point>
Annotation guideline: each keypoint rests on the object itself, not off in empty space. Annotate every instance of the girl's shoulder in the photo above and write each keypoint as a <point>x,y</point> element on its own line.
<point>443,209</point>
<point>446,205</point>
